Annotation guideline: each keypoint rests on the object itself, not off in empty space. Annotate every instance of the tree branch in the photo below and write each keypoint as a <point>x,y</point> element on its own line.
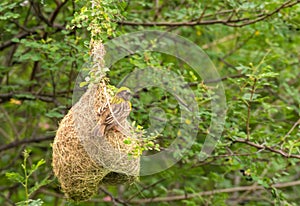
<point>263,147</point>
<point>228,21</point>
<point>43,97</point>
<point>31,31</point>
<point>56,11</point>
<point>249,109</point>
<point>213,192</point>
<point>146,188</point>
<point>293,127</point>
<point>217,80</point>
<point>37,9</point>
<point>25,141</point>
<point>114,199</point>
<point>19,36</point>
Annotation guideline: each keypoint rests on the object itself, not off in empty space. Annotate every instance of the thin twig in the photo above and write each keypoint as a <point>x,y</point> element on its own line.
<point>24,34</point>
<point>55,13</point>
<point>219,41</point>
<point>228,21</point>
<point>113,198</point>
<point>249,109</point>
<point>293,127</point>
<point>239,46</point>
<point>218,80</point>
<point>145,188</point>
<point>289,132</point>
<point>25,141</point>
<point>213,192</point>
<point>246,193</point>
<point>264,147</point>
<point>202,14</point>
<point>27,96</point>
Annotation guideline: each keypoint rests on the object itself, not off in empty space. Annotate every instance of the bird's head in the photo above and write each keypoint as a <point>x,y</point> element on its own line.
<point>124,93</point>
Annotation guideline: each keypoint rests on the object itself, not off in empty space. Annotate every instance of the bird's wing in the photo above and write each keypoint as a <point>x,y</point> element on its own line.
<point>120,113</point>
<point>102,109</point>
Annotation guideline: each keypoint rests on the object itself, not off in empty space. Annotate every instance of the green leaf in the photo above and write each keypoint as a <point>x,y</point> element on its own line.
<point>16,40</point>
<point>54,114</point>
<point>34,167</point>
<point>9,15</point>
<point>127,141</point>
<point>82,84</point>
<point>5,6</point>
<point>15,177</point>
<point>263,183</point>
<point>26,96</point>
<point>37,185</point>
<point>30,202</point>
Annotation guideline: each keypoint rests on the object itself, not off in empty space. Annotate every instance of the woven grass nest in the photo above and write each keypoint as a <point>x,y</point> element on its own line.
<point>82,161</point>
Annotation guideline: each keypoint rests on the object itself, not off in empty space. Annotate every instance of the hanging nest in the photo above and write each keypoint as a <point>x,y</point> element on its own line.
<point>82,161</point>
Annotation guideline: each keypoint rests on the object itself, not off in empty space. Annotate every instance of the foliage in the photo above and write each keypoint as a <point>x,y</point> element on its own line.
<point>25,180</point>
<point>44,44</point>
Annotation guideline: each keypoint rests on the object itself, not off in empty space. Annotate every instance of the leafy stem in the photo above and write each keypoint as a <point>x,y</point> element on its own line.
<point>26,176</point>
<point>24,179</point>
<point>249,108</point>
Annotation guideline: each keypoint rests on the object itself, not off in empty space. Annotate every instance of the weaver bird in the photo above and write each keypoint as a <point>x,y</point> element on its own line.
<point>114,114</point>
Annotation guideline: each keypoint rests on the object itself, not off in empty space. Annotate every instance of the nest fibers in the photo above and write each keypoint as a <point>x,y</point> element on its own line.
<point>81,161</point>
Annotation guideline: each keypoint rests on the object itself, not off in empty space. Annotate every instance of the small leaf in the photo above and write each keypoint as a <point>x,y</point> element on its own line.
<point>37,185</point>
<point>30,202</point>
<point>53,113</point>
<point>26,153</point>
<point>16,40</point>
<point>127,141</point>
<point>34,167</point>
<point>262,183</point>
<point>26,96</point>
<point>82,84</point>
<point>15,177</point>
